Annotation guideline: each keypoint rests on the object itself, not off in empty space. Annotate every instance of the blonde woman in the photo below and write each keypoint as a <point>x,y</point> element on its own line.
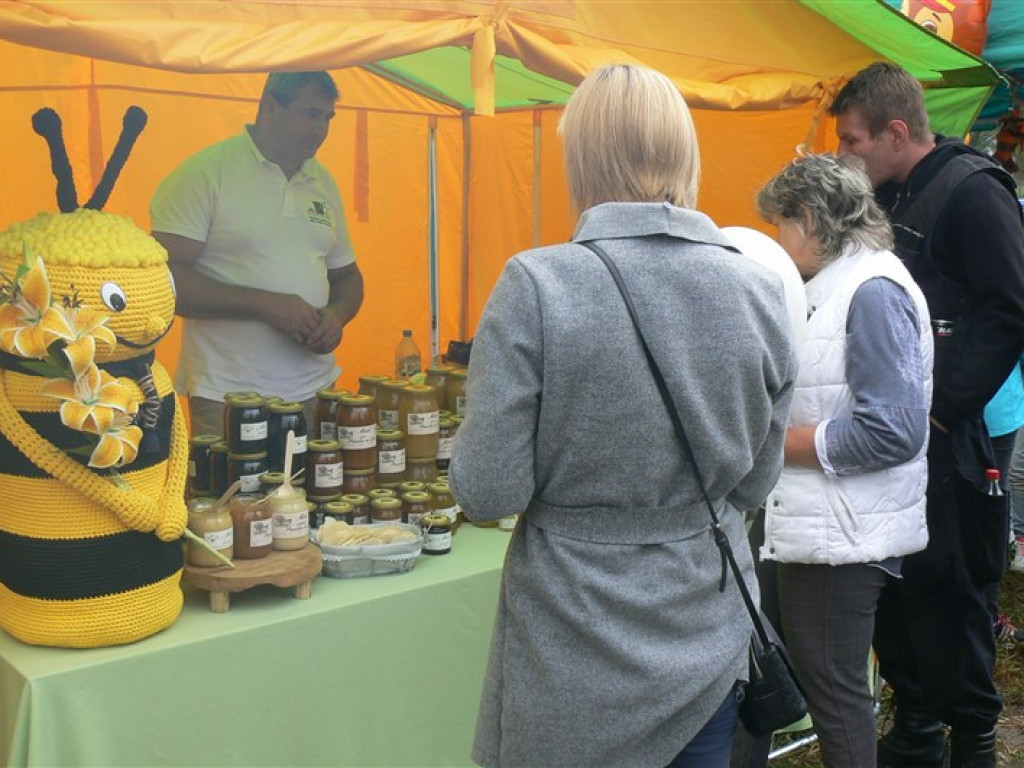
<point>614,644</point>
<point>851,500</point>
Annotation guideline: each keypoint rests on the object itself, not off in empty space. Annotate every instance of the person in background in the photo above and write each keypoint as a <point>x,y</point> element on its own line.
<point>851,500</point>
<point>957,226</point>
<point>615,643</point>
<point>259,248</point>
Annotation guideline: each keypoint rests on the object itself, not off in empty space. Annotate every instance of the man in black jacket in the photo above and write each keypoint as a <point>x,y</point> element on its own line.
<point>958,229</point>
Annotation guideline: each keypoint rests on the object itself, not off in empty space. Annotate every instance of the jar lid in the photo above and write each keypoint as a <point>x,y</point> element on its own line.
<point>337,506</point>
<point>246,401</point>
<point>358,400</point>
<point>317,446</point>
<point>412,485</point>
<point>271,399</point>
<point>229,396</point>
<point>201,503</point>
<point>272,478</point>
<point>356,499</point>
<point>360,472</point>
<point>332,394</point>
<point>416,496</point>
<point>421,460</point>
<point>387,502</point>
<point>420,388</point>
<point>435,521</point>
<point>324,499</point>
<point>374,379</point>
<point>459,373</point>
<point>247,456</point>
<point>436,371</point>
<point>285,406</point>
<point>206,439</point>
<point>382,493</point>
<point>220,446</point>
<point>390,434</point>
<point>439,487</point>
<point>445,422</point>
<point>395,383</point>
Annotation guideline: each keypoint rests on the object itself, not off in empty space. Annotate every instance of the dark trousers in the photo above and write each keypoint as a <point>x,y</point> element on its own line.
<point>711,747</point>
<point>933,627</point>
<point>828,614</point>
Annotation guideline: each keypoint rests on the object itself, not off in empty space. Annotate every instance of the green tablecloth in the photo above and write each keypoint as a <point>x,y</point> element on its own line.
<point>379,671</point>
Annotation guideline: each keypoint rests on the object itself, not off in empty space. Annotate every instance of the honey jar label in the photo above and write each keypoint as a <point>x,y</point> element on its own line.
<point>291,525</point>
<point>358,438</point>
<point>255,431</point>
<point>391,462</point>
<point>387,419</point>
<point>249,483</point>
<point>328,430</point>
<point>329,475</point>
<point>436,542</point>
<point>444,447</point>
<point>299,444</point>
<point>192,468</point>
<point>261,533</point>
<point>423,423</point>
<point>460,406</point>
<point>220,539</point>
<point>360,520</point>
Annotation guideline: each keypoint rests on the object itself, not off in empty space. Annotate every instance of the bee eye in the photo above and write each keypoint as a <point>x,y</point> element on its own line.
<point>113,296</point>
<point>174,288</point>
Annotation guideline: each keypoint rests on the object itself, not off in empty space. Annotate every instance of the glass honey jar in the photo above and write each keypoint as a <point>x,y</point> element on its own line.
<point>442,502</point>
<point>285,417</point>
<point>246,468</point>
<point>386,510</point>
<point>415,504</point>
<point>211,522</point>
<point>325,415</point>
<point>219,468</point>
<point>390,456</point>
<point>199,464</point>
<point>359,481</point>
<point>455,392</point>
<point>247,424</point>
<point>357,431</point>
<point>445,439</point>
<point>389,397</point>
<point>368,385</point>
<point>324,468</point>
<point>253,526</point>
<point>421,470</point>
<point>335,510</point>
<point>360,504</point>
<point>418,418</point>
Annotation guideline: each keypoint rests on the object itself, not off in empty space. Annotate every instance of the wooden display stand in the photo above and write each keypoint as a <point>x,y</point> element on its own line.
<point>293,568</point>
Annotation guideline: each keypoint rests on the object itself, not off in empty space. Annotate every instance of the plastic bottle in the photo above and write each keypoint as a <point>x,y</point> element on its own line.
<point>408,361</point>
<point>992,488</point>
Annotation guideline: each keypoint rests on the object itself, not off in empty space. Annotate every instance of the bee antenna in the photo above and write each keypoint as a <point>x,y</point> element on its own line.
<point>134,122</point>
<point>47,124</point>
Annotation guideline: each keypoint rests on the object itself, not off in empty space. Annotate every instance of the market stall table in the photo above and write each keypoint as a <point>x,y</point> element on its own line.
<point>380,671</point>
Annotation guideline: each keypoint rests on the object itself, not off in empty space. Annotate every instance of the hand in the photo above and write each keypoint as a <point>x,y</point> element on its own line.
<point>327,335</point>
<point>290,314</point>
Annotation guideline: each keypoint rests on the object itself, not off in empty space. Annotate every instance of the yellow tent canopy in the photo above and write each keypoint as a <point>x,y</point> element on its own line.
<point>445,144</point>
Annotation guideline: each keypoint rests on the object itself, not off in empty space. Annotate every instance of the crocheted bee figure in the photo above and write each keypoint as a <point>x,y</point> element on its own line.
<point>92,465</point>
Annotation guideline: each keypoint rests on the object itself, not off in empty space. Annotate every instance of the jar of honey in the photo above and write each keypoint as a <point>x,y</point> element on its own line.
<point>247,424</point>
<point>316,518</point>
<point>360,504</point>
<point>359,481</point>
<point>336,510</point>
<point>419,420</point>
<point>386,510</point>
<point>271,481</point>
<point>246,469</point>
<point>325,415</point>
<point>229,398</point>
<point>421,470</point>
<point>445,438</point>
<point>324,468</point>
<point>357,431</point>
<point>389,397</point>
<point>199,464</point>
<point>212,523</point>
<point>390,456</point>
<point>368,385</point>
<point>442,502</point>
<point>415,504</point>
<point>219,468</point>
<point>285,416</point>
<point>455,394</point>
<point>437,534</point>
<point>411,485</point>
<point>253,526</point>
<point>291,520</point>
<point>437,377</point>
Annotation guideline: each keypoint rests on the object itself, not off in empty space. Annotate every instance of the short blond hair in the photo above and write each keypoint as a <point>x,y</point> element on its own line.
<point>629,137</point>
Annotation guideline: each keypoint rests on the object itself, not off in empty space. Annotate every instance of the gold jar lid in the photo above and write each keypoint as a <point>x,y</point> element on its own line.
<point>356,499</point>
<point>360,400</point>
<point>395,384</point>
<point>458,373</point>
<point>390,434</point>
<point>332,394</point>
<point>416,496</point>
<point>285,406</point>
<point>231,396</point>
<point>360,472</point>
<point>382,493</point>
<point>206,439</point>
<point>247,456</point>
<point>221,446</point>
<point>324,499</point>
<point>340,507</point>
<point>272,478</point>
<point>323,446</point>
<point>387,502</point>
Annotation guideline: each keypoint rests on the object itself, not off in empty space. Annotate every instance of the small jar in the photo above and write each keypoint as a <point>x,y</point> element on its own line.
<point>291,520</point>
<point>335,510</point>
<point>421,470</point>
<point>411,485</point>
<point>445,438</point>
<point>229,398</point>
<point>368,385</point>
<point>316,518</point>
<point>386,510</point>
<point>211,522</point>
<point>357,431</point>
<point>247,425</point>
<point>359,481</point>
<point>457,422</point>
<point>270,482</point>
<point>437,377</point>
<point>253,527</point>
<point>389,398</point>
<point>325,415</point>
<point>418,419</point>
<point>324,468</point>
<point>437,534</point>
<point>199,464</point>
<point>382,493</point>
<point>219,469</point>
<point>455,393</point>
<point>390,456</point>
<point>415,504</point>
<point>360,504</point>
<point>507,523</point>
<point>246,468</point>
<point>442,502</point>
<point>285,416</point>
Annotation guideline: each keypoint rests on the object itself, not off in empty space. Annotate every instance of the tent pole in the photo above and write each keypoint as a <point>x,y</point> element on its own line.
<point>537,150</point>
<point>467,136</point>
<point>435,297</point>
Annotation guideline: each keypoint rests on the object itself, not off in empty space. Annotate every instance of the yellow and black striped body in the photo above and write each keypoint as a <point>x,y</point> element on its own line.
<point>73,572</point>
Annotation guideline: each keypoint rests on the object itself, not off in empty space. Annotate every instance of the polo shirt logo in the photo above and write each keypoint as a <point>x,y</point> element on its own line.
<point>319,213</point>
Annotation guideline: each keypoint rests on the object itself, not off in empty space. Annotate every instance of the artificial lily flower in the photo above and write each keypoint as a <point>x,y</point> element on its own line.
<point>29,323</point>
<point>87,327</point>
<point>118,445</point>
<point>92,401</point>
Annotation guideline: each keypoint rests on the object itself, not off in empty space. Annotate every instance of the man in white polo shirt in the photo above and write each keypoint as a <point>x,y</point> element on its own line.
<point>259,249</point>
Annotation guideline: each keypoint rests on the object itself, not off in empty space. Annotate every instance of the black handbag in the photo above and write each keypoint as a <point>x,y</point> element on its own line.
<point>772,699</point>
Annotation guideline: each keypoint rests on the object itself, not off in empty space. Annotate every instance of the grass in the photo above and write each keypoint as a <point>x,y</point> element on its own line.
<point>1009,678</point>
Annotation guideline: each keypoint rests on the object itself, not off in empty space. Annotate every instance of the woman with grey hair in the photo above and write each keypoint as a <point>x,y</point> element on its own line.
<point>851,499</point>
<point>615,642</point>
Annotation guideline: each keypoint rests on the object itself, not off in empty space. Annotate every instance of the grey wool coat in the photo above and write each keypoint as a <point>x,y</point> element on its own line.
<point>612,644</point>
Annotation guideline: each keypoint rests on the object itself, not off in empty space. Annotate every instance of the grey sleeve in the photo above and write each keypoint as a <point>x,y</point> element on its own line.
<point>885,370</point>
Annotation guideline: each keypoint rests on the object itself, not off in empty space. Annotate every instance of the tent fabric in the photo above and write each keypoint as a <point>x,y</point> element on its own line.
<point>758,76</point>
